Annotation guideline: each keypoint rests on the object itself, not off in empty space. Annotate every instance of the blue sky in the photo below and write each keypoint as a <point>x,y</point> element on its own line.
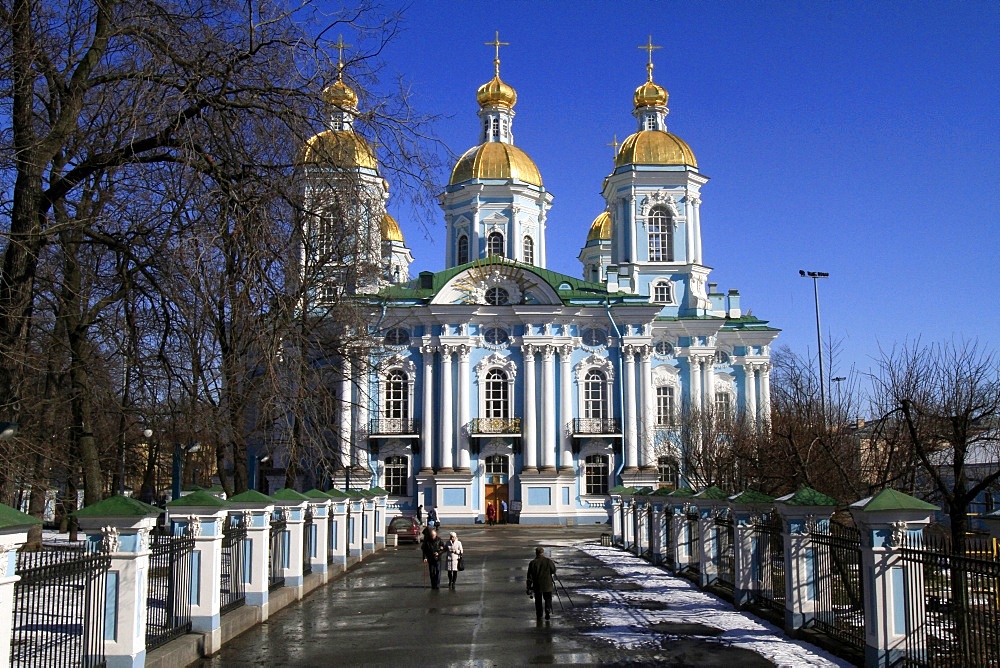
<point>854,138</point>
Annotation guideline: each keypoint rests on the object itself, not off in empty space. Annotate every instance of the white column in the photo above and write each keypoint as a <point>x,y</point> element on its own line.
<point>447,417</point>
<point>530,445</point>
<point>694,365</point>
<point>566,412</point>
<point>631,436</point>
<point>427,412</point>
<point>463,408</point>
<point>765,396</point>
<point>548,408</point>
<point>360,434</point>
<point>697,230</point>
<point>346,411</point>
<point>750,392</point>
<point>709,367</point>
<point>689,231</point>
<point>646,460</point>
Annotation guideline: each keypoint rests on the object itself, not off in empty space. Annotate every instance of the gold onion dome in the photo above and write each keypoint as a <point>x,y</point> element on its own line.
<point>495,93</point>
<point>390,229</point>
<point>339,148</point>
<point>655,147</point>
<point>496,160</point>
<point>600,229</point>
<point>340,94</point>
<point>650,94</point>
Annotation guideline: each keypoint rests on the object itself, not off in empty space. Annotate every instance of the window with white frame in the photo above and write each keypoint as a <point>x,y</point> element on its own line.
<point>663,348</point>
<point>496,393</point>
<point>396,476</point>
<point>650,122</point>
<point>721,357</point>
<point>595,475</point>
<point>397,396</point>
<point>594,397</point>
<point>661,235</point>
<point>463,249</point>
<point>723,404</point>
<point>494,244</point>
<point>663,292</point>
<point>666,406</point>
<point>529,250</point>
<point>496,128</point>
<point>497,296</point>
<point>667,472</point>
<point>496,465</point>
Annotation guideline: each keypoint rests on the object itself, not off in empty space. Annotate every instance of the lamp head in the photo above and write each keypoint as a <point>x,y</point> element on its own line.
<point>147,432</point>
<point>8,430</point>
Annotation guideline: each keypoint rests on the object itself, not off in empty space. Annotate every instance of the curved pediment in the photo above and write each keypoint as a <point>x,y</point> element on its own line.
<point>497,283</point>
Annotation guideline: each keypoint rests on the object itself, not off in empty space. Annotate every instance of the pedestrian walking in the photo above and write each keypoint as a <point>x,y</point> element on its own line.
<point>503,512</point>
<point>491,514</point>
<point>432,516</point>
<point>432,548</point>
<point>454,558</point>
<point>540,585</point>
<point>420,514</point>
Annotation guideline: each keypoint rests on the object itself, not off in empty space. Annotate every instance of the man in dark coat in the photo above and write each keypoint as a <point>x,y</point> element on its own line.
<point>541,572</point>
<point>432,548</point>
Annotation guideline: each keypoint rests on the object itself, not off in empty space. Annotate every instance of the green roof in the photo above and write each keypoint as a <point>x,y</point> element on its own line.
<point>682,493</point>
<point>199,499</point>
<point>807,496</point>
<point>251,496</point>
<point>316,494</point>
<point>890,499</point>
<point>10,518</point>
<point>337,494</point>
<point>289,494</point>
<point>118,506</point>
<point>712,493</point>
<point>751,496</point>
<point>663,491</point>
<point>621,489</point>
<point>642,491</point>
<point>380,491</point>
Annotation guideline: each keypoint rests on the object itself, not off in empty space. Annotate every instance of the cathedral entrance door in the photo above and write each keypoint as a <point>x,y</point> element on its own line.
<point>494,495</point>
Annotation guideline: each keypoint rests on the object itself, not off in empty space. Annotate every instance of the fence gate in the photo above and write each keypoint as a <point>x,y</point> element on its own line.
<point>769,563</point>
<point>168,605</point>
<point>277,555</point>
<point>232,581</point>
<point>59,609</point>
<point>838,590</point>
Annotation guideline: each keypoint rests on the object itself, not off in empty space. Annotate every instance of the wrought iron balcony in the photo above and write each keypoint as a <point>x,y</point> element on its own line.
<point>393,426</point>
<point>495,426</point>
<point>597,426</point>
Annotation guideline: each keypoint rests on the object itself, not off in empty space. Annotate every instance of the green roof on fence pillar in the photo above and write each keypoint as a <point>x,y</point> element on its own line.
<point>807,496</point>
<point>317,494</point>
<point>682,493</point>
<point>337,494</point>
<point>890,499</point>
<point>11,518</point>
<point>251,496</point>
<point>118,506</point>
<point>199,499</point>
<point>751,496</point>
<point>712,493</point>
<point>288,494</point>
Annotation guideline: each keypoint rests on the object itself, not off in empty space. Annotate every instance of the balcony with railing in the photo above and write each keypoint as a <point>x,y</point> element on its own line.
<point>596,426</point>
<point>393,427</point>
<point>495,426</point>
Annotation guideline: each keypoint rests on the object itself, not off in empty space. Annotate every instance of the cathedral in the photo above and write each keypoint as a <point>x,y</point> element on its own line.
<point>500,382</point>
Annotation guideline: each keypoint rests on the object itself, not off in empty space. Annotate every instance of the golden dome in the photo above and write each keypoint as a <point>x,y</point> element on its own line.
<point>496,93</point>
<point>390,229</point>
<point>655,147</point>
<point>495,160</point>
<point>339,148</point>
<point>340,94</point>
<point>600,229</point>
<point>650,94</point>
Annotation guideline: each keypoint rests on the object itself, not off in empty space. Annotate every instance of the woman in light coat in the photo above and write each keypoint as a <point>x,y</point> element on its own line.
<point>454,547</point>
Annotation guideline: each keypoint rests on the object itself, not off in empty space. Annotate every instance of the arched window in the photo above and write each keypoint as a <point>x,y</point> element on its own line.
<point>496,386</point>
<point>666,406</point>
<point>396,476</point>
<point>663,292</point>
<point>529,250</point>
<point>594,401</point>
<point>496,128</point>
<point>667,472</point>
<point>497,296</point>
<point>397,396</point>
<point>650,122</point>
<point>463,249</point>
<point>494,244</point>
<point>595,472</point>
<point>661,235</point>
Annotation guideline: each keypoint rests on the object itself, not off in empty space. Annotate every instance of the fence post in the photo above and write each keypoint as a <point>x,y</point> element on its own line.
<point>355,517</point>
<point>659,517</point>
<point>14,527</point>
<point>200,515</point>
<point>617,531</point>
<point>368,525</point>
<point>887,521</point>
<point>708,501</point>
<point>380,516</point>
<point>744,507</point>
<point>338,534</point>
<point>295,503</point>
<point>640,513</point>
<point>799,512</point>
<point>320,504</point>
<point>677,516</point>
<point>256,509</point>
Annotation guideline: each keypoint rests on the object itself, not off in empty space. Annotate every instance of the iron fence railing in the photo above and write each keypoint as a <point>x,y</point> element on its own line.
<point>669,551</point>
<point>724,538</point>
<point>308,541</point>
<point>277,555</point>
<point>955,603</point>
<point>59,606</point>
<point>597,426</point>
<point>232,581</point>
<point>837,584</point>
<point>495,426</point>
<point>385,425</point>
<point>168,604</point>
<point>769,563</point>
<point>692,544</point>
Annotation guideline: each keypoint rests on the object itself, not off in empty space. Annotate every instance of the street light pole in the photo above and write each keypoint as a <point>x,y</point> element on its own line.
<point>815,276</point>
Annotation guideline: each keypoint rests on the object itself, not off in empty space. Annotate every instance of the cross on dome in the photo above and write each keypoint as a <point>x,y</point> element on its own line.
<point>496,43</point>
<point>340,46</point>
<point>649,47</point>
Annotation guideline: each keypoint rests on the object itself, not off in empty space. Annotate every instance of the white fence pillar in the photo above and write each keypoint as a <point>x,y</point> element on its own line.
<point>256,509</point>
<point>800,512</point>
<point>355,518</point>
<point>708,502</point>
<point>14,527</point>
<point>293,505</point>
<point>368,525</point>
<point>320,503</point>
<point>381,518</point>
<point>338,533</point>
<point>744,508</point>
<point>617,512</point>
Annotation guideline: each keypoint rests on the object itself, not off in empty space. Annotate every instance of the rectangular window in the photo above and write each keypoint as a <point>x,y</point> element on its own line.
<point>723,404</point>
<point>395,480</point>
<point>665,406</point>
<point>596,475</point>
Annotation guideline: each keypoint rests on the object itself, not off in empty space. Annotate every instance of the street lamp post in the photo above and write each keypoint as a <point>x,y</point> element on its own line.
<point>255,467</point>
<point>815,276</point>
<point>178,466</point>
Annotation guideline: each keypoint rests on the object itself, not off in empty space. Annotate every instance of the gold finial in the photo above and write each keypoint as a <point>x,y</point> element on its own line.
<point>340,46</point>
<point>650,47</point>
<point>496,43</point>
<point>614,144</point>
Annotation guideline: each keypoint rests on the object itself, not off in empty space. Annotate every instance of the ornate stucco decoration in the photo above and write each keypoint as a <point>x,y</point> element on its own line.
<point>497,361</point>
<point>897,535</point>
<point>666,374</point>
<point>594,362</point>
<point>397,362</point>
<point>659,198</point>
<point>110,540</point>
<point>193,526</point>
<point>247,517</point>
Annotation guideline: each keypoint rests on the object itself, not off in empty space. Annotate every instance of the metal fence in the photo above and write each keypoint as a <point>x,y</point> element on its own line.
<point>59,609</point>
<point>957,620</point>
<point>725,536</point>
<point>692,545</point>
<point>769,563</point>
<point>308,540</point>
<point>276,555</point>
<point>168,604</point>
<point>837,588</point>
<point>669,551</point>
<point>232,580</point>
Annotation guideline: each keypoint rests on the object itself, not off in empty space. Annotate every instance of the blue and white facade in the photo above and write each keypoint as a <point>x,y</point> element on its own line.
<point>501,380</point>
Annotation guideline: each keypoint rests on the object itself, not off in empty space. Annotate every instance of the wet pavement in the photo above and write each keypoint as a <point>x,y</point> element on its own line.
<point>383,613</point>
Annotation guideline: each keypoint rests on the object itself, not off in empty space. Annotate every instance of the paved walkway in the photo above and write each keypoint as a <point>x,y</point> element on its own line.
<point>383,613</point>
